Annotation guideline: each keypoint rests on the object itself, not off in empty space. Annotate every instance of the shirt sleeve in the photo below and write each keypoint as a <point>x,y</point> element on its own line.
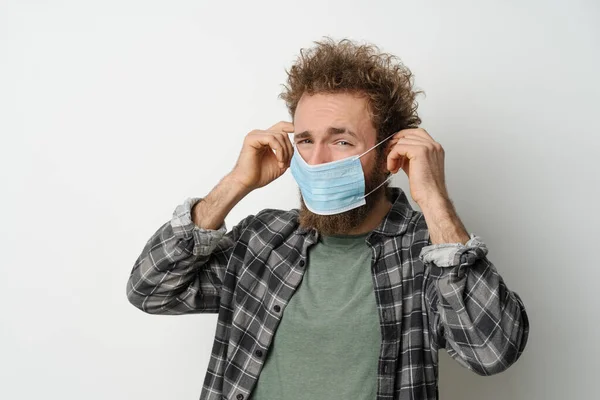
<point>449,254</point>
<point>182,266</point>
<point>482,324</point>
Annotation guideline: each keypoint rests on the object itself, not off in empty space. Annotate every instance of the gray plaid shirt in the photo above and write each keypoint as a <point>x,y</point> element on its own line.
<point>428,296</point>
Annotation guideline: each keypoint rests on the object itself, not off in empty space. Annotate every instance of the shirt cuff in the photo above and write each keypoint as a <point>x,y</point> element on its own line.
<point>205,240</point>
<point>454,254</point>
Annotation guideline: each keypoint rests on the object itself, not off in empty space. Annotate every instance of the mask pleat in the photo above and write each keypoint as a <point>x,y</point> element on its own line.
<point>330,188</point>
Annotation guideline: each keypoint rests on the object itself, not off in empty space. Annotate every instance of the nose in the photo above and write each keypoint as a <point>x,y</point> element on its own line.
<point>318,155</point>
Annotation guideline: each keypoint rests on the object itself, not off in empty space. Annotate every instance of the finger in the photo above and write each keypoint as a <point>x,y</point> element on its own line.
<point>422,138</point>
<point>393,159</point>
<point>396,165</point>
<point>396,137</point>
<point>398,156</point>
<point>418,141</point>
<point>402,136</point>
<point>400,152</point>
<point>285,153</point>
<point>288,143</point>
<point>421,133</point>
<point>283,133</point>
<point>402,133</point>
<point>415,140</point>
<point>268,140</point>
<point>282,126</point>
<point>391,145</point>
<point>281,151</point>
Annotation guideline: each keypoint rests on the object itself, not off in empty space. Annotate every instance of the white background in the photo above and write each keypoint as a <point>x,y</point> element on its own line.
<point>113,112</point>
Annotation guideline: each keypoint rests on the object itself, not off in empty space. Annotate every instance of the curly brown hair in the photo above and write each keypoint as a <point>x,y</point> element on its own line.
<point>361,69</point>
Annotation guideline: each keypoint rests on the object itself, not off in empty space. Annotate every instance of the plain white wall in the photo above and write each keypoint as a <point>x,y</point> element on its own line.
<point>113,112</point>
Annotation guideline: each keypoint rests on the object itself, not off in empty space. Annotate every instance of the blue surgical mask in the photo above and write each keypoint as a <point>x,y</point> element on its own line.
<point>334,187</point>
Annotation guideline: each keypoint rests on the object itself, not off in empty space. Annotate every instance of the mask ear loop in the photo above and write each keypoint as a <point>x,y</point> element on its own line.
<point>391,175</point>
<point>383,183</point>
<point>389,137</point>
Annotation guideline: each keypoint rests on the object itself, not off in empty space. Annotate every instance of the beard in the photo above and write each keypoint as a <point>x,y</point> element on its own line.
<point>339,224</point>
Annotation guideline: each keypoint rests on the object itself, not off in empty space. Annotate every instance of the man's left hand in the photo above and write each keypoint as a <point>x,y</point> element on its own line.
<point>422,159</point>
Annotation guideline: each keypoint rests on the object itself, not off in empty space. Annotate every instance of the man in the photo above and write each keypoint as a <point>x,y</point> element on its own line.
<point>353,294</point>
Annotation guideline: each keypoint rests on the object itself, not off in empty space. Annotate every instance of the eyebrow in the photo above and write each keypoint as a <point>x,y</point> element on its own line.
<point>332,130</point>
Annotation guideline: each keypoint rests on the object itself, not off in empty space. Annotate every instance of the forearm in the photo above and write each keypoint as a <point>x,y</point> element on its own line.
<point>210,212</point>
<point>485,324</point>
<point>443,223</point>
<point>181,267</point>
<point>166,277</point>
<point>480,322</point>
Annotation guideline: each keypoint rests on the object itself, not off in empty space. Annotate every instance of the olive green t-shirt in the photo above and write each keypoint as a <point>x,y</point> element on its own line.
<point>327,344</point>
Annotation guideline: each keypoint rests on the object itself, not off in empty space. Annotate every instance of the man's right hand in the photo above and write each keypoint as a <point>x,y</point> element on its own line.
<point>258,165</point>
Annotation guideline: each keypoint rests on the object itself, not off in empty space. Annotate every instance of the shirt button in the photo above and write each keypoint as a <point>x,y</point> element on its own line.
<point>384,315</point>
<point>239,396</point>
<point>302,264</point>
<point>258,353</point>
<point>277,308</point>
<point>385,368</point>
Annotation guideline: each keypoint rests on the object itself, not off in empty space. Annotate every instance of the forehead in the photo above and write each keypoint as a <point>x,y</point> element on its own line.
<point>318,112</point>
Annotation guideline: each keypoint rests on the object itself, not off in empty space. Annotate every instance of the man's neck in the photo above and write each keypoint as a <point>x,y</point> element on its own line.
<point>374,219</point>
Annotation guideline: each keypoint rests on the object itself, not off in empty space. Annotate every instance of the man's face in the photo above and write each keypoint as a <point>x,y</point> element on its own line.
<point>330,127</point>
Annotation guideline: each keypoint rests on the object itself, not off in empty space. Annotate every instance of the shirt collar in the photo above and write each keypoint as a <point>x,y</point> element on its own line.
<point>396,221</point>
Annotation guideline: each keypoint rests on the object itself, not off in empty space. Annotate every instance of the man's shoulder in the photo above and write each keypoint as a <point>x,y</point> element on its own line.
<point>276,220</point>
<point>272,214</point>
<point>417,220</point>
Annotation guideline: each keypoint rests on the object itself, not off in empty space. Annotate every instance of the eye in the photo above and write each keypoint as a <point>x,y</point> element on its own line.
<point>345,143</point>
<point>303,141</point>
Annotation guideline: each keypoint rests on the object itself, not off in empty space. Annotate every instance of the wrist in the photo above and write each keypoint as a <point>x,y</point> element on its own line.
<point>210,212</point>
<point>240,189</point>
